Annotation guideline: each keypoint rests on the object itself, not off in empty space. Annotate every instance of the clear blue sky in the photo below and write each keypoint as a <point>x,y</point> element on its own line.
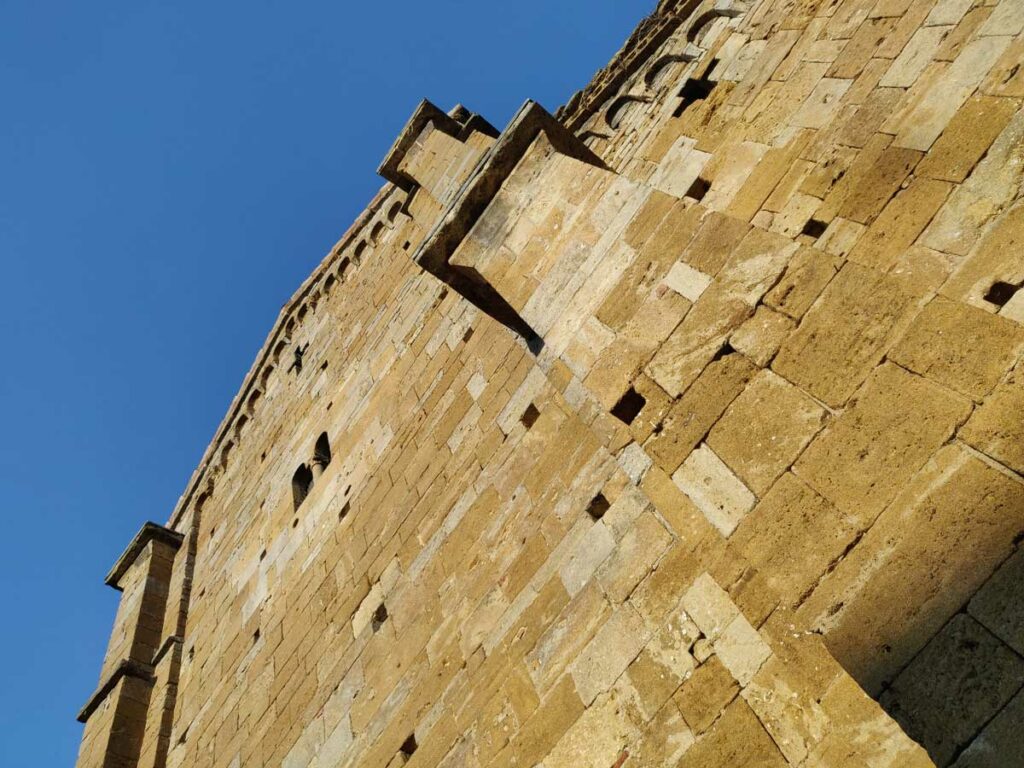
<point>169,173</point>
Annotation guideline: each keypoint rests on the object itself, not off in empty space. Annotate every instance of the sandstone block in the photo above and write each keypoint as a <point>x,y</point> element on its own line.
<point>706,694</point>
<point>844,336</point>
<point>998,605</point>
<point>761,336</point>
<point>962,347</point>
<point>715,489</point>
<point>962,678</point>
<point>805,278</point>
<point>737,738</point>
<point>937,543</point>
<point>792,536</point>
<point>967,138</point>
<point>867,455</point>
<point>608,654</point>
<point>765,429</point>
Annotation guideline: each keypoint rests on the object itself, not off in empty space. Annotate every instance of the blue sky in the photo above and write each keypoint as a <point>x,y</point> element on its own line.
<point>169,173</point>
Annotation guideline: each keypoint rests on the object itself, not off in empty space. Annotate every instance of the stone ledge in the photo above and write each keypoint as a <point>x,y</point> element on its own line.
<point>149,532</point>
<point>126,668</point>
<point>428,112</point>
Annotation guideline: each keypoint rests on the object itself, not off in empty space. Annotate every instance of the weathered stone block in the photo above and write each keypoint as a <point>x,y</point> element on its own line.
<point>765,429</point>
<point>962,347</point>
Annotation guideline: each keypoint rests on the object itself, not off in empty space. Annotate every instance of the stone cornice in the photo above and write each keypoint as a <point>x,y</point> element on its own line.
<point>149,532</point>
<point>126,668</point>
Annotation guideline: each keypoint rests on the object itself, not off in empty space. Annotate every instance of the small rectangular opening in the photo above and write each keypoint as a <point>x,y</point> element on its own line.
<point>345,510</point>
<point>409,746</point>
<point>530,416</point>
<point>698,189</point>
<point>814,228</point>
<point>1000,293</point>
<point>379,617</point>
<point>694,90</point>
<point>629,406</point>
<point>598,506</point>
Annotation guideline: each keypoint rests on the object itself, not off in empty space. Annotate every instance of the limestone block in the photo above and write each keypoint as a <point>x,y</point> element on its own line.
<point>737,738</point>
<point>900,223</point>
<point>792,537</point>
<point>659,670</point>
<point>845,335</point>
<point>962,678</point>
<point>690,418</point>
<point>998,604</point>
<point>995,428</point>
<point>705,694</point>
<point>999,743</point>
<point>998,256</point>
<point>861,734</point>
<point>947,12</point>
<point>913,59</point>
<point>664,741</point>
<point>709,606</point>
<point>715,489</point>
<point>921,125</point>
<point>967,138</point>
<point>962,347</point>
<point>680,167</point>
<point>875,110</point>
<point>741,649</point>
<point>714,242</point>
<point>1006,19</point>
<point>785,700</point>
<point>634,462</point>
<point>867,455</point>
<point>753,268</point>
<point>634,557</point>
<point>821,106</point>
<point>873,178</point>
<point>598,737</point>
<point>985,193</point>
<point>1006,77</point>
<point>608,654</point>
<point>805,278</point>
<point>1014,308</point>
<point>761,336</point>
<point>765,430</point>
<point>566,636</point>
<point>938,542</point>
<point>687,281</point>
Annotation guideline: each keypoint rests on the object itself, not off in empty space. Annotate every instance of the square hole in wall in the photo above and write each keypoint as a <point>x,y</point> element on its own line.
<point>530,416</point>
<point>1000,293</point>
<point>598,506</point>
<point>814,228</point>
<point>629,406</point>
<point>698,189</point>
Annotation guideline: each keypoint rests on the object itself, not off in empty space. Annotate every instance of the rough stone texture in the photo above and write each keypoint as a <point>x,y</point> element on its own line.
<point>658,434</point>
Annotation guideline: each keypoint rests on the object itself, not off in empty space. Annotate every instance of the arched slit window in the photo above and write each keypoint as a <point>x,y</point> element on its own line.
<point>620,107</point>
<point>322,451</point>
<point>302,481</point>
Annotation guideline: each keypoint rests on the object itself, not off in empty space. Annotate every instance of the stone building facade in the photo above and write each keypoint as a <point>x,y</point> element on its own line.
<point>683,427</point>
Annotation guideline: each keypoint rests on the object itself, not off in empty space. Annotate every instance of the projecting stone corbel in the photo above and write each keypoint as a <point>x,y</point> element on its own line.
<point>479,189</point>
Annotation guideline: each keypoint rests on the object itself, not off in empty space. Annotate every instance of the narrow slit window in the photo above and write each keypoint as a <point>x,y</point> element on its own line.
<point>322,451</point>
<point>302,481</point>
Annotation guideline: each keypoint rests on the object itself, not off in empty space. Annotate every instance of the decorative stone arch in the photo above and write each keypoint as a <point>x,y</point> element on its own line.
<point>343,266</point>
<point>394,211</point>
<point>250,405</point>
<point>376,232</point>
<point>656,74</point>
<point>328,284</point>
<point>240,425</point>
<point>358,251</point>
<point>620,107</point>
<point>704,18</point>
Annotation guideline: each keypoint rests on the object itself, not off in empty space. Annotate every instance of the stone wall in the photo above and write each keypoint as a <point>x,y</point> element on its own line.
<point>684,432</point>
